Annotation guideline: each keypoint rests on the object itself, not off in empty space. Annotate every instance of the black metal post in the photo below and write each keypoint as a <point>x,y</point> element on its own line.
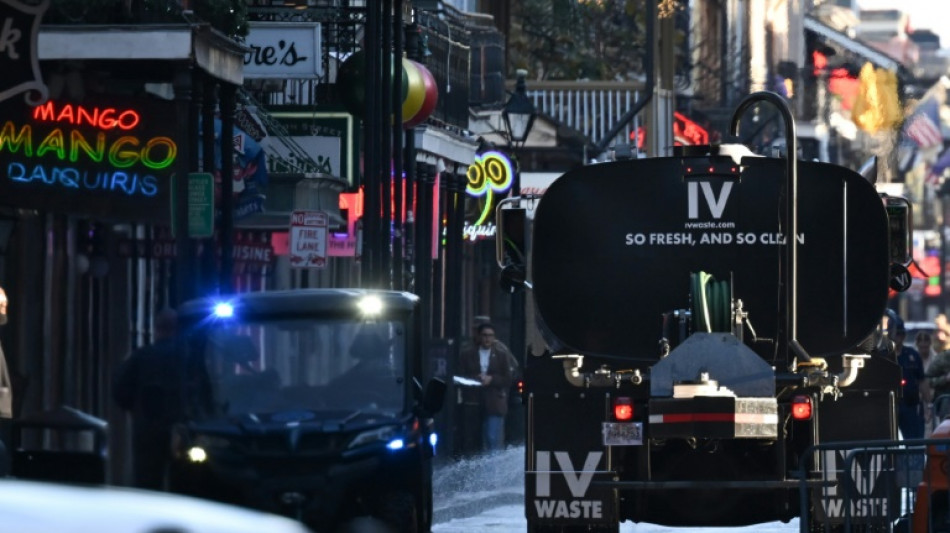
<point>386,175</point>
<point>225,281</point>
<point>184,247</point>
<point>425,182</point>
<point>208,102</point>
<point>397,142</point>
<point>453,254</point>
<point>371,152</point>
<point>414,52</point>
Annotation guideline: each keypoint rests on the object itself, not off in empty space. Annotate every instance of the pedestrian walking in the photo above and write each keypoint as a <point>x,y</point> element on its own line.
<point>923,341</point>
<point>486,364</point>
<point>910,414</point>
<point>148,385</point>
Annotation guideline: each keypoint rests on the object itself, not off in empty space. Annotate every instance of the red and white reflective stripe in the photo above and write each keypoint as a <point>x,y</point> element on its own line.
<point>737,418</point>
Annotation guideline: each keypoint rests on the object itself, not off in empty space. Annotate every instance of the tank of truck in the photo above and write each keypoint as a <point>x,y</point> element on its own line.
<point>614,246</point>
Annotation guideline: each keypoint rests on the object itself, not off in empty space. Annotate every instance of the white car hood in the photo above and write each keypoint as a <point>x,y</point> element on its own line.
<point>37,507</point>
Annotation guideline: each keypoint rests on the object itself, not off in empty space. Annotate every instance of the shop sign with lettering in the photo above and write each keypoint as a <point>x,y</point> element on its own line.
<point>112,156</point>
<point>283,50</point>
<point>329,140</point>
<point>490,178</point>
<point>19,27</point>
<point>308,239</point>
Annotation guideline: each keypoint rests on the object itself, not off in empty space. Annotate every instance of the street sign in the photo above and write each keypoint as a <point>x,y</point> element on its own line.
<point>200,205</point>
<point>308,239</point>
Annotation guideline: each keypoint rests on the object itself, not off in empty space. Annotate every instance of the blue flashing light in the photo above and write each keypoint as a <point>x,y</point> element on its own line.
<point>224,310</point>
<point>396,444</point>
<point>433,439</point>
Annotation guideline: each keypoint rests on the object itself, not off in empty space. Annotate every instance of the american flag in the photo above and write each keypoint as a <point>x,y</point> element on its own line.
<point>923,126</point>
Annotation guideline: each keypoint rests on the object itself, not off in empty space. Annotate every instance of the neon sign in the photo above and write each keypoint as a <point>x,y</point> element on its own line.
<point>77,115</point>
<point>58,147</point>
<point>489,175</point>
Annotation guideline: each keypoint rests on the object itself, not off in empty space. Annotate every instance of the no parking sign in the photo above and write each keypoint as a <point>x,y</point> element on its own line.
<point>308,239</point>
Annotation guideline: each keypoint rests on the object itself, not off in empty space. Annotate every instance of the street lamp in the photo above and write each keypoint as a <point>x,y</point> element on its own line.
<point>519,113</point>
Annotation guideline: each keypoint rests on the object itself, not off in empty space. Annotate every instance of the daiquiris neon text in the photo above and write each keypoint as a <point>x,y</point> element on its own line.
<point>85,147</point>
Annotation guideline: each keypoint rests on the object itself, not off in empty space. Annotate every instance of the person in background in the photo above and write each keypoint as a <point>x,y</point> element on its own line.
<point>942,336</point>
<point>938,376</point>
<point>486,364</point>
<point>910,416</point>
<point>146,384</point>
<point>499,345</point>
<point>924,343</point>
<point>6,394</point>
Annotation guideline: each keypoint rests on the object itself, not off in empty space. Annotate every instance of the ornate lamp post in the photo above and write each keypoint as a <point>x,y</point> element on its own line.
<point>519,114</point>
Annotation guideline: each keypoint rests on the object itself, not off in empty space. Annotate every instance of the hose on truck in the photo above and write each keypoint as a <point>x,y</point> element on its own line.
<point>712,303</point>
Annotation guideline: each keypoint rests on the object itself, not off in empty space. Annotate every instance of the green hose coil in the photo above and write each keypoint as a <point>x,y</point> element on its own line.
<point>712,305</point>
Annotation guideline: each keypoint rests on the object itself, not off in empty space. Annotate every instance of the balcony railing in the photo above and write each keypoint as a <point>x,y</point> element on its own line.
<point>592,108</point>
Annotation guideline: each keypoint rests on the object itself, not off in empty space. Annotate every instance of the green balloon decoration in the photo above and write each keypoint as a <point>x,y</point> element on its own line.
<point>351,82</point>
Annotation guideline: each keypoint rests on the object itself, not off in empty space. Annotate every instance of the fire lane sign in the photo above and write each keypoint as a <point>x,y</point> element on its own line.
<point>308,239</point>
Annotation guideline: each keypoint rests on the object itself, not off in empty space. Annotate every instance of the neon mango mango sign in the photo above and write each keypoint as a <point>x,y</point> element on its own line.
<point>88,148</point>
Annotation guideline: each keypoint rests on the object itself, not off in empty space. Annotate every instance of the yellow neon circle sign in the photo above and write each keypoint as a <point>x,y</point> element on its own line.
<point>491,173</point>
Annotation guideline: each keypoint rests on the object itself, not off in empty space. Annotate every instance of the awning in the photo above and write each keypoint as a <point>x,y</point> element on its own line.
<point>878,58</point>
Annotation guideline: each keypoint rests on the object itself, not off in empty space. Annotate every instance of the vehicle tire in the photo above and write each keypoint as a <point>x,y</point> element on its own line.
<point>424,499</point>
<point>399,509</point>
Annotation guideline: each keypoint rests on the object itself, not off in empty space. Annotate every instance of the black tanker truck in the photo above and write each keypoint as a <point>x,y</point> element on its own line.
<point>706,319</point>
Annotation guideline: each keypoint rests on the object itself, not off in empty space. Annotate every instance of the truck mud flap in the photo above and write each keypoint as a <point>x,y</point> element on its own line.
<point>568,494</point>
<point>874,486</point>
<point>566,460</point>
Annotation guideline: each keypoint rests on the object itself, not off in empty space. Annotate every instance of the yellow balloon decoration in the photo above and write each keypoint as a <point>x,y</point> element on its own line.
<point>415,92</point>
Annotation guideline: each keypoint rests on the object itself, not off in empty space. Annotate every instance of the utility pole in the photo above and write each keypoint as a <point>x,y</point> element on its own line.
<point>659,139</point>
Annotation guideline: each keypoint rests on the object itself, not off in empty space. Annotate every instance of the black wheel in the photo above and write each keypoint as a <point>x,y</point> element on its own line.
<point>399,509</point>
<point>424,499</point>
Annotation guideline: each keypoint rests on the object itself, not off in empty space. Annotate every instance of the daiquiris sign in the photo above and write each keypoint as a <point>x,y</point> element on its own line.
<point>114,157</point>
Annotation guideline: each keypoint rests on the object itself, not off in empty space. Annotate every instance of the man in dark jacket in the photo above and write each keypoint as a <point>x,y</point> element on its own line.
<point>910,414</point>
<point>488,365</point>
<point>147,384</point>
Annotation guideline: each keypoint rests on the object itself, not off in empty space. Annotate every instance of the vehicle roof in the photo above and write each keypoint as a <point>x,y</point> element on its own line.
<point>40,507</point>
<point>299,301</point>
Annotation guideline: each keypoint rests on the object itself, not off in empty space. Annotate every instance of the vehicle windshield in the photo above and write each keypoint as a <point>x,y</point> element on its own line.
<point>306,364</point>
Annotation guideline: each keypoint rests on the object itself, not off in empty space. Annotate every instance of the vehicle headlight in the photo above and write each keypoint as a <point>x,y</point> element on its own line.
<point>197,451</point>
<point>196,454</point>
<point>370,305</point>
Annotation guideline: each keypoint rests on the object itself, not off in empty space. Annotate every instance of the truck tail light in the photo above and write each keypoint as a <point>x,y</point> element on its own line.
<point>801,407</point>
<point>520,386</point>
<point>623,408</point>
